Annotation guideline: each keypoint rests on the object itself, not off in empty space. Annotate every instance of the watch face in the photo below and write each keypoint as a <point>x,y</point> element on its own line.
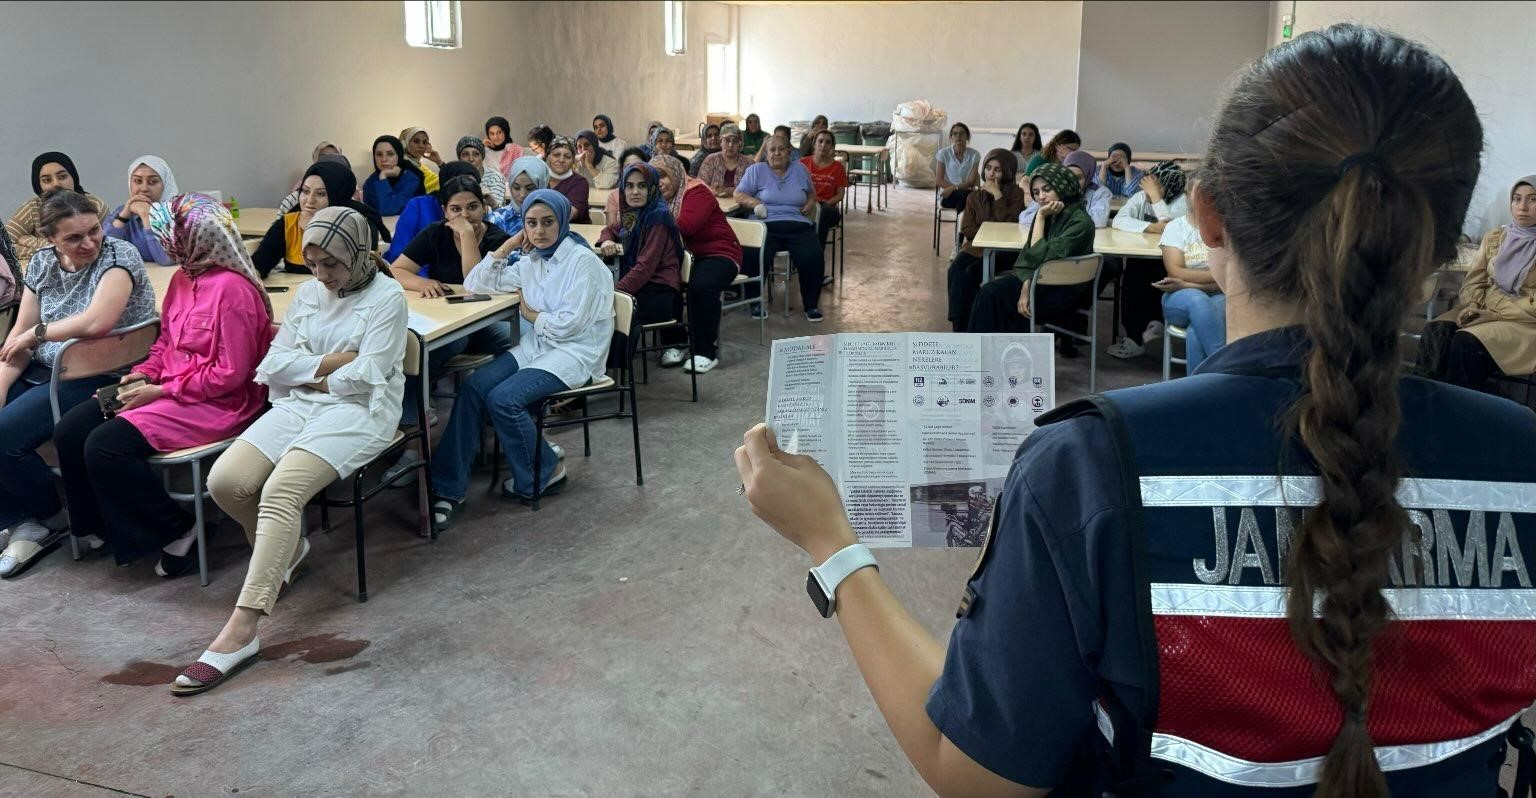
<point>822,601</point>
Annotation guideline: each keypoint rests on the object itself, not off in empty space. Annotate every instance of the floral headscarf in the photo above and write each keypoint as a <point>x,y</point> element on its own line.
<point>199,234</point>
<point>1170,177</point>
<point>1061,180</point>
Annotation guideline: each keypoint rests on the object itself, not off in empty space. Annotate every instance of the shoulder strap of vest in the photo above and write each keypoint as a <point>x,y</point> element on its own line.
<point>1524,742</point>
<point>1130,754</point>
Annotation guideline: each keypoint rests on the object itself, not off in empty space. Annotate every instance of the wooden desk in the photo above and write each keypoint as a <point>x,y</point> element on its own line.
<point>598,198</point>
<point>882,155</point>
<point>1116,203</point>
<point>994,236</point>
<point>688,141</point>
<point>1152,156</point>
<point>253,222</point>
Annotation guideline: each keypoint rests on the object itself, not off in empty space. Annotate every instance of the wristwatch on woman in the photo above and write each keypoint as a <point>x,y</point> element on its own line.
<point>40,332</point>
<point>822,581</point>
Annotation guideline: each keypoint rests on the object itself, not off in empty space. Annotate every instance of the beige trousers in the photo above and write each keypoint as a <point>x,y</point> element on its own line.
<point>268,502</point>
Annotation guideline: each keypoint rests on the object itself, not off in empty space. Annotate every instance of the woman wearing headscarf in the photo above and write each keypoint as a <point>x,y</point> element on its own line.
<point>1095,197</point>
<point>721,170</point>
<point>529,174</point>
<point>333,374</point>
<point>323,183</point>
<point>644,237</point>
<point>325,152</point>
<point>752,135</point>
<point>602,125</point>
<point>422,211</point>
<point>632,155</point>
<point>539,139</point>
<point>502,151</point>
<point>1492,328</point>
<point>997,199</point>
<point>663,141</point>
<point>567,323</point>
<point>1161,200</point>
<point>1061,229</point>
<point>471,150</point>
<point>1118,175</point>
<point>395,179</point>
<point>717,259</point>
<point>195,388</point>
<point>560,155</point>
<point>709,144</point>
<point>149,180</point>
<point>51,171</point>
<point>419,151</point>
<point>594,162</point>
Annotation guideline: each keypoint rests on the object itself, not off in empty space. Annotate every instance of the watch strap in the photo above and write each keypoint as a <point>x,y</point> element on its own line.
<point>838,567</point>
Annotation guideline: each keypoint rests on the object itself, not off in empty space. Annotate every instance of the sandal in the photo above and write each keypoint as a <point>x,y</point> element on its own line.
<point>20,555</point>
<point>556,483</point>
<point>288,575</point>
<point>444,513</point>
<point>213,668</point>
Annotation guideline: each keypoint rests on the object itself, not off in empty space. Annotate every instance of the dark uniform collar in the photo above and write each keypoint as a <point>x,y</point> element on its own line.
<point>1276,352</point>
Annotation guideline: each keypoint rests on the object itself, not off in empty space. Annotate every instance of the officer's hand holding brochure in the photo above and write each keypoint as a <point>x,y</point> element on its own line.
<point>917,429</point>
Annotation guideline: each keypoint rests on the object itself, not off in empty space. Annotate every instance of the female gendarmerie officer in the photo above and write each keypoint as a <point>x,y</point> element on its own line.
<point>1147,592</point>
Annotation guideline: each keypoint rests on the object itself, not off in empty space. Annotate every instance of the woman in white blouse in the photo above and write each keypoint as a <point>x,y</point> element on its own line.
<point>334,378</point>
<point>567,322</point>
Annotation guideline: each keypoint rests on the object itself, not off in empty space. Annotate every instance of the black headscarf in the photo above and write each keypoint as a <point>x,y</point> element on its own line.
<point>598,153</point>
<point>340,185</point>
<point>449,171</point>
<point>54,157</point>
<point>506,132</point>
<point>406,164</point>
<point>609,123</point>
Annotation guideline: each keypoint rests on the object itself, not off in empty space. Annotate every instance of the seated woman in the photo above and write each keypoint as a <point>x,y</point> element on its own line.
<point>721,170</point>
<point>1118,175</point>
<point>779,191</point>
<point>196,388</point>
<point>1095,197</point>
<point>82,285</point>
<point>539,139</point>
<point>650,266</point>
<point>999,199</point>
<point>709,144</point>
<point>1160,200</point>
<point>291,202</point>
<point>717,259</point>
<point>611,204</point>
<point>471,150</point>
<point>603,127</point>
<point>567,323</point>
<point>561,157</point>
<point>830,179</point>
<point>594,162</point>
<point>1492,328</point>
<point>394,181</point>
<point>10,270</point>
<point>529,174</point>
<point>1026,145</point>
<point>808,141</point>
<point>498,138</point>
<point>322,184</point>
<point>51,171</point>
<point>752,136</point>
<point>663,142</point>
<point>1055,151</point>
<point>955,168</point>
<point>333,374</point>
<point>424,210</point>
<point>1191,298</point>
<point>149,179</point>
<point>419,151</point>
<point>1061,229</point>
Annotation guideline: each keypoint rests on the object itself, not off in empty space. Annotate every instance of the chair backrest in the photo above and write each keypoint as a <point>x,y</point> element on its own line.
<point>115,351</point>
<point>623,312</point>
<point>687,266</point>
<point>598,216</point>
<point>1070,271</point>
<point>749,232</point>
<point>412,362</point>
<point>251,245</point>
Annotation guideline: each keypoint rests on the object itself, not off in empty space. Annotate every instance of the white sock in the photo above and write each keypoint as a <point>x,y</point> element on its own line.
<point>180,546</point>
<point>92,542</point>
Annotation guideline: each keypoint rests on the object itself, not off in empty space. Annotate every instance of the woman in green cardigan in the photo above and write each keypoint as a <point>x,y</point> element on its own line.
<point>1061,229</point>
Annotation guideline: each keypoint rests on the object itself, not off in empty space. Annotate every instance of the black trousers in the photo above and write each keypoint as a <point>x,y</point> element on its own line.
<point>965,283</point>
<point>805,254</point>
<point>657,302</point>
<point>106,476</point>
<point>997,307</point>
<point>956,199</point>
<point>1142,304</point>
<point>830,216</point>
<point>711,276</point>
<point>1453,355</point>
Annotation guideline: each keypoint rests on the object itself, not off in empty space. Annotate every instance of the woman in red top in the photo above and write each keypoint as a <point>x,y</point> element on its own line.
<point>831,180</point>
<point>716,261</point>
<point>643,235</point>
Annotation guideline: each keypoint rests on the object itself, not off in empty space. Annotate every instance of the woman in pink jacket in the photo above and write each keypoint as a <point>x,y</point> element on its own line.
<point>216,324</point>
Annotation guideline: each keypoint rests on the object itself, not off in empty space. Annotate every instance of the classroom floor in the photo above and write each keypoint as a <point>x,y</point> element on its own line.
<point>625,640</point>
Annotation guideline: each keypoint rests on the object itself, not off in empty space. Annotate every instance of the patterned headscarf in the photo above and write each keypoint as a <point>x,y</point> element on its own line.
<point>1085,162</point>
<point>560,141</point>
<point>638,223</point>
<point>162,169</point>
<point>1061,180</point>
<point>680,178</point>
<point>1170,177</point>
<point>660,129</point>
<point>199,234</point>
<point>469,141</point>
<point>343,234</point>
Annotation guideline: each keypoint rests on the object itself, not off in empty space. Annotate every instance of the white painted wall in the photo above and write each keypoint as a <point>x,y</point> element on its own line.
<point>1487,43</point>
<point>986,64</point>
<point>235,95</point>
<point>1153,74</point>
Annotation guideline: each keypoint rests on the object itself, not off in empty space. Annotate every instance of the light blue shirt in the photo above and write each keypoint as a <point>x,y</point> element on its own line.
<point>783,196</point>
<point>957,169</point>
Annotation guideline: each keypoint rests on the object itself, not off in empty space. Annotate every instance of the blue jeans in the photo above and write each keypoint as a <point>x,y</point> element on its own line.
<point>26,422</point>
<point>1204,318</point>
<point>505,392</point>
<point>492,340</point>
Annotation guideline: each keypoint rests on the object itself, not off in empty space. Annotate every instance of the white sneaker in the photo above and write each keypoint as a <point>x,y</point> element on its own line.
<point>406,465</point>
<point>700,364</point>
<point>671,356</point>
<point>1126,349</point>
<point>1153,332</point>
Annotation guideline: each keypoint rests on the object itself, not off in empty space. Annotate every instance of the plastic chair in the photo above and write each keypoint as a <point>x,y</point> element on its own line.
<point>1170,332</point>
<point>654,330</point>
<point>751,234</point>
<point>598,216</point>
<point>789,272</point>
<point>1082,270</point>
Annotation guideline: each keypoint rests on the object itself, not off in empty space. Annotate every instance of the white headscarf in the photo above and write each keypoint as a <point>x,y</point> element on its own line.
<point>162,169</point>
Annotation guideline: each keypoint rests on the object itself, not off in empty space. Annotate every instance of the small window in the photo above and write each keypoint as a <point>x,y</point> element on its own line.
<point>673,23</point>
<point>720,77</point>
<point>433,23</point>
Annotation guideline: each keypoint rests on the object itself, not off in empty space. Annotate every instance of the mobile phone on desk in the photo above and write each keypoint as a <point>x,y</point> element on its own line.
<point>277,289</point>
<point>448,290</point>
<point>456,300</point>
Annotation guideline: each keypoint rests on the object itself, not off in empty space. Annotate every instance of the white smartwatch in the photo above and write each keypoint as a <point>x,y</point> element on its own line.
<point>822,581</point>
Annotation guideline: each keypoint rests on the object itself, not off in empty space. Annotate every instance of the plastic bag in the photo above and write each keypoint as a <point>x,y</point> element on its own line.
<point>918,116</point>
<point>917,131</point>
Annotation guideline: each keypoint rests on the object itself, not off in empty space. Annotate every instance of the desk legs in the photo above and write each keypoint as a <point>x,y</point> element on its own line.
<point>986,265</point>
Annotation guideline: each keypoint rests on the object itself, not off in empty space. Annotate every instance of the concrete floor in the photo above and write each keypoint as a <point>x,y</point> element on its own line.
<point>625,640</point>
